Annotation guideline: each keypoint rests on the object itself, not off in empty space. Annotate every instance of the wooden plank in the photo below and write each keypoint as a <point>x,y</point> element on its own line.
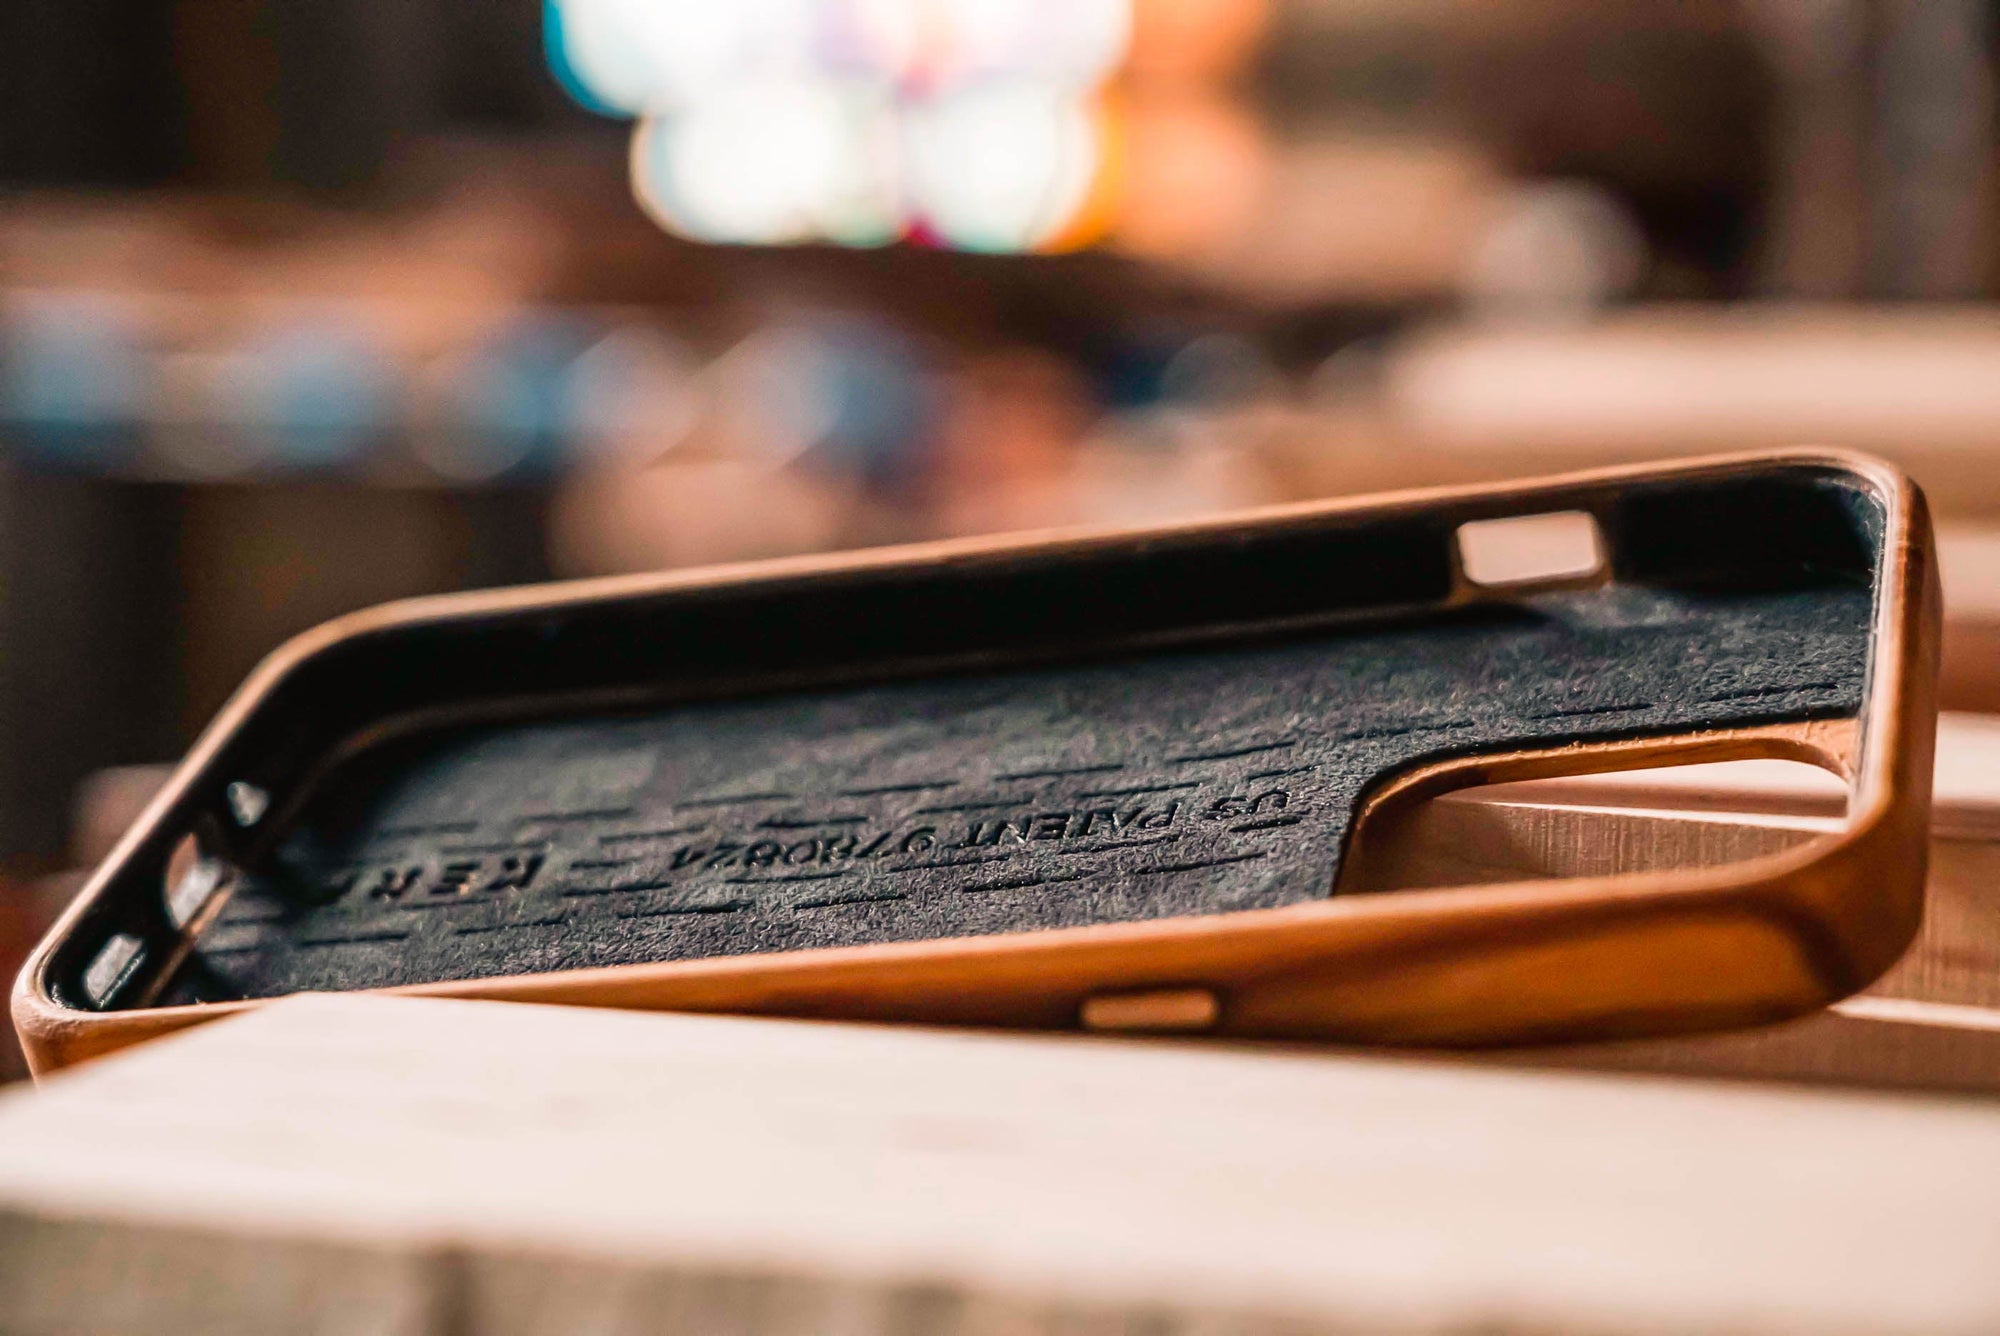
<point>425,1165</point>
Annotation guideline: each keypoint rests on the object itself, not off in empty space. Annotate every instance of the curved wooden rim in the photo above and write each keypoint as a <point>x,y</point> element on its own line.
<point>1879,855</point>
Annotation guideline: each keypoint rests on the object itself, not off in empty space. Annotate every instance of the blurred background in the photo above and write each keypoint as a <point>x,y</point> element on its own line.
<point>305,306</point>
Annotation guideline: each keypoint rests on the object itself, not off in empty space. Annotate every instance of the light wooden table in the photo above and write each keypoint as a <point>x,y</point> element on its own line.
<point>388,1165</point>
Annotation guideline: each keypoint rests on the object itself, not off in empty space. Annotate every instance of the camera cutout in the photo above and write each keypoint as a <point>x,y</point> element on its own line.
<point>1597,824</point>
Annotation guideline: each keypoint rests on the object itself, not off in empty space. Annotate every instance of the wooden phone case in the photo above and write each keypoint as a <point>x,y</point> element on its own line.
<point>1104,779</point>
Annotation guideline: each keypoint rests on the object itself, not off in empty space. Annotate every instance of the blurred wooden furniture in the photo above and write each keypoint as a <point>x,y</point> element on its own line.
<point>1913,384</point>
<point>1969,564</point>
<point>398,1165</point>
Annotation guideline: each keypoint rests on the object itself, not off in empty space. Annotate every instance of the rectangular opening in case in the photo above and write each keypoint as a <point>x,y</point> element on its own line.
<point>1530,549</point>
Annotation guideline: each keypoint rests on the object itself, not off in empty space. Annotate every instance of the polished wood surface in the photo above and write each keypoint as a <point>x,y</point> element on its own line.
<point>1621,954</point>
<point>404,1166</point>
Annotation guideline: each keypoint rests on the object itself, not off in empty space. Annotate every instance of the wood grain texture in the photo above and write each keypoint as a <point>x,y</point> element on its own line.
<point>1596,956</point>
<point>336,1164</point>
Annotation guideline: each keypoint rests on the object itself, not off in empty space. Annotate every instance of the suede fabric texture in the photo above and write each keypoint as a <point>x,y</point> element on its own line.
<point>1197,781</point>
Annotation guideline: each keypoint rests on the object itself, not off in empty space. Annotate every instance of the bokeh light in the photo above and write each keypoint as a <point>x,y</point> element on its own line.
<point>509,402</point>
<point>319,392</point>
<point>72,376</point>
<point>632,396</point>
<point>1072,43</point>
<point>776,163</point>
<point>644,57</point>
<point>973,124</point>
<point>1002,166</point>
